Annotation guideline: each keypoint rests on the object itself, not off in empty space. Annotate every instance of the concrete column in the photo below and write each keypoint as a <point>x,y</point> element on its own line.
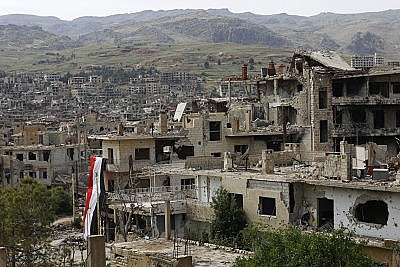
<point>3,257</point>
<point>227,161</point>
<point>163,122</point>
<point>167,219</point>
<point>249,126</point>
<point>96,251</point>
<point>236,125</point>
<point>276,85</point>
<point>267,164</point>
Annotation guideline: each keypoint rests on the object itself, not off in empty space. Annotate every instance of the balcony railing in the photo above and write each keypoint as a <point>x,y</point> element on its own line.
<point>361,129</point>
<point>154,194</point>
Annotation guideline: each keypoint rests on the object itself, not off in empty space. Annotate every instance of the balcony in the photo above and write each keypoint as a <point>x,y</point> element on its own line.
<point>361,100</point>
<point>362,129</point>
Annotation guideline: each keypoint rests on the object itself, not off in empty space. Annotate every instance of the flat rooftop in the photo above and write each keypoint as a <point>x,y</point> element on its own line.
<point>207,255</point>
<point>296,174</point>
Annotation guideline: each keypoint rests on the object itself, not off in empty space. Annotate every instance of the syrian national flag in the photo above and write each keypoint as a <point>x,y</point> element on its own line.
<point>95,195</point>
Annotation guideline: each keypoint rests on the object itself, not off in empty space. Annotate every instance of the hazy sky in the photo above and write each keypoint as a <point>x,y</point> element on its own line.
<point>70,9</point>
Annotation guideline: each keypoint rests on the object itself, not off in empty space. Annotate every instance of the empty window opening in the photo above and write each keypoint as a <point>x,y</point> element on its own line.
<point>323,99</point>
<point>354,87</point>
<point>398,118</point>
<point>325,211</point>
<point>240,149</point>
<point>258,113</point>
<point>110,184</point>
<point>396,88</point>
<point>20,157</point>
<point>292,201</point>
<point>379,88</point>
<point>372,211</point>
<point>46,155</point>
<point>21,175</point>
<point>358,116</point>
<point>32,174</point>
<point>379,119</point>
<point>215,130</point>
<point>142,153</point>
<point>267,206</point>
<point>299,87</point>
<point>110,155</point>
<point>291,115</point>
<point>31,156</point>
<point>43,174</point>
<point>337,89</point>
<point>70,153</point>
<point>216,154</point>
<point>323,131</point>
<point>185,151</point>
<point>337,117</point>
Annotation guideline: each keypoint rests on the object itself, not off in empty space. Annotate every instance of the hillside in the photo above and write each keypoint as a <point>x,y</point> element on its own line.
<point>13,36</point>
<point>363,33</point>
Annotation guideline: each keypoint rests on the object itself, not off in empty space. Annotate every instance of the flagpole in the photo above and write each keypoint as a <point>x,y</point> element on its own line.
<point>98,204</point>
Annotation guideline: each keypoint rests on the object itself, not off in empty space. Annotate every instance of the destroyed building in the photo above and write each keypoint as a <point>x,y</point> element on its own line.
<point>314,146</point>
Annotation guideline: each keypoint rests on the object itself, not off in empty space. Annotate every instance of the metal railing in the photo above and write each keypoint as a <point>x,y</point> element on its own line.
<point>153,194</point>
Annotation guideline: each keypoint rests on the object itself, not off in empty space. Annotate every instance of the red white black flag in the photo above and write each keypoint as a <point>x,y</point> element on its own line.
<point>95,196</point>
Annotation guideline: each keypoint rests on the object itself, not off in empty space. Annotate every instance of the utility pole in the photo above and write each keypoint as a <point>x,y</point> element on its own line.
<point>73,197</point>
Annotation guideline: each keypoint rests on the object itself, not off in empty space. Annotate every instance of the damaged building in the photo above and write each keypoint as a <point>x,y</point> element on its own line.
<point>313,145</point>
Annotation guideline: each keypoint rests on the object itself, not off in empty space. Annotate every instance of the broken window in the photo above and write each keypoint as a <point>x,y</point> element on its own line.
<point>43,174</point>
<point>323,131</point>
<point>379,119</point>
<point>379,88</point>
<point>32,174</point>
<point>372,211</point>
<point>31,156</point>
<point>111,185</point>
<point>396,88</point>
<point>21,175</point>
<point>323,99</point>
<point>110,155</point>
<point>299,87</point>
<point>142,153</point>
<point>267,206</point>
<point>325,211</point>
<point>354,87</point>
<point>216,154</point>
<point>258,113</point>
<point>337,89</point>
<point>358,116</point>
<point>46,155</point>
<point>20,157</point>
<point>240,149</point>
<point>185,151</point>
<point>215,130</point>
<point>70,153</point>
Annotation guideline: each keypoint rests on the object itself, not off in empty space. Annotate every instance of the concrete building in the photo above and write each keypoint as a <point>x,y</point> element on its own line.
<point>45,163</point>
<point>364,62</point>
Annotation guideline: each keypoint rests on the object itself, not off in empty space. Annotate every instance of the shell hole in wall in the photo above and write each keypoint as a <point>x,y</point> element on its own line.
<point>372,211</point>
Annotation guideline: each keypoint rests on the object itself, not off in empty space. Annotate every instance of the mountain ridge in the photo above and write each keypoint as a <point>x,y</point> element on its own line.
<point>359,33</point>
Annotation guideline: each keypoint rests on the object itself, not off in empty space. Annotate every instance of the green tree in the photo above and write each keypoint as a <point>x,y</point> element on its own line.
<point>291,247</point>
<point>25,217</point>
<point>61,201</point>
<point>229,219</point>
